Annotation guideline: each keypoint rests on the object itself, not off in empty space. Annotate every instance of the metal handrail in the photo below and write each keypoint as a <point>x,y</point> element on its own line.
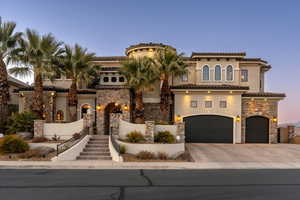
<point>114,142</point>
<point>62,147</point>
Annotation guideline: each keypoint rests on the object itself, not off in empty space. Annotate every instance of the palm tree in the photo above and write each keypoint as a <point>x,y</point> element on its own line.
<point>141,75</point>
<point>76,63</point>
<point>36,54</point>
<point>8,42</point>
<point>168,63</point>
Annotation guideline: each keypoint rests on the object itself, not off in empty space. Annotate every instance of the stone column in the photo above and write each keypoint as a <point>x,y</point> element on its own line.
<point>149,134</point>
<point>39,128</point>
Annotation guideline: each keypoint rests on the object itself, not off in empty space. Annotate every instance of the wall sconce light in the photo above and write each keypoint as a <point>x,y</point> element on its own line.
<point>116,104</point>
<point>52,94</point>
<point>265,99</point>
<point>274,119</point>
<point>208,92</point>
<point>252,99</point>
<point>238,118</point>
<point>21,94</point>
<point>186,91</point>
<point>178,118</point>
<point>231,92</point>
<point>125,107</point>
<point>99,107</point>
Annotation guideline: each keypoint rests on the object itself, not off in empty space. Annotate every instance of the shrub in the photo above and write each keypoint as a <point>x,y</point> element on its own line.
<point>145,155</point>
<point>55,138</point>
<point>31,154</point>
<point>164,137</point>
<point>13,144</point>
<point>76,136</point>
<point>21,122</point>
<point>39,139</point>
<point>135,137</point>
<point>162,156</point>
<point>122,149</point>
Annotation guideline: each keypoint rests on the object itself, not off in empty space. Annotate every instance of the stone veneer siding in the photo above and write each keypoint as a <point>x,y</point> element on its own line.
<point>153,113</point>
<point>107,96</point>
<point>260,107</point>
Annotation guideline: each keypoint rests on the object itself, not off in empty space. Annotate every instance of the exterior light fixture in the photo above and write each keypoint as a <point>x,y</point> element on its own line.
<point>52,94</point>
<point>265,99</point>
<point>125,107</point>
<point>99,107</point>
<point>21,94</point>
<point>208,92</point>
<point>274,119</point>
<point>186,91</point>
<point>252,99</point>
<point>231,92</point>
<point>116,104</point>
<point>178,138</point>
<point>178,118</point>
<point>238,118</point>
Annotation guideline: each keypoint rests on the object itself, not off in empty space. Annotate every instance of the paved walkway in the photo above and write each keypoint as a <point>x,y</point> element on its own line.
<point>245,153</point>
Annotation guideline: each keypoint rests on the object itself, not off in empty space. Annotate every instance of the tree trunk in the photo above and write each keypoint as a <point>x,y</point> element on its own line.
<point>4,95</point>
<point>165,95</point>
<point>139,108</point>
<point>72,101</point>
<point>37,98</point>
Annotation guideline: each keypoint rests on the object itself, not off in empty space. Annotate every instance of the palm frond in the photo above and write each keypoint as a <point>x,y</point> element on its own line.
<point>21,72</point>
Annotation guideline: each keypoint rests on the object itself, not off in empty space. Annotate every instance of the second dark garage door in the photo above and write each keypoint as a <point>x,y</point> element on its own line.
<point>208,129</point>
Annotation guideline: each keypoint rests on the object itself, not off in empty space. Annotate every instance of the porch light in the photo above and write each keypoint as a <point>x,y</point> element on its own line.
<point>252,99</point>
<point>178,118</point>
<point>274,119</point>
<point>208,92</point>
<point>238,118</point>
<point>125,107</point>
<point>99,107</point>
<point>116,104</point>
<point>52,94</point>
<point>265,99</point>
<point>178,138</point>
<point>186,91</point>
<point>231,92</point>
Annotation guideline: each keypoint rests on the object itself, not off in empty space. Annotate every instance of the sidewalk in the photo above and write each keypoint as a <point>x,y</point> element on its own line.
<point>144,165</point>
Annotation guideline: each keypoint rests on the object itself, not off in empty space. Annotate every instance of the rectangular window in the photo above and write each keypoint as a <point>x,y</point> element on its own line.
<point>244,75</point>
<point>208,104</point>
<point>184,77</point>
<point>223,104</point>
<point>194,104</point>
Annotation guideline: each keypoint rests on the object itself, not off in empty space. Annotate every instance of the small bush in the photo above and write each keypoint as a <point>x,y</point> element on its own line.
<point>76,136</point>
<point>13,144</point>
<point>162,156</point>
<point>55,138</point>
<point>145,155</point>
<point>122,149</point>
<point>21,122</point>
<point>31,154</point>
<point>135,137</point>
<point>164,137</point>
<point>39,139</point>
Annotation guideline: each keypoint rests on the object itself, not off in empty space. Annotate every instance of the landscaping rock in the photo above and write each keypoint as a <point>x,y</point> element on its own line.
<point>44,150</point>
<point>25,135</point>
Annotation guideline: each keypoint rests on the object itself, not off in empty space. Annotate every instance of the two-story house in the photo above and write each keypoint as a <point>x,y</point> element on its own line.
<point>221,99</point>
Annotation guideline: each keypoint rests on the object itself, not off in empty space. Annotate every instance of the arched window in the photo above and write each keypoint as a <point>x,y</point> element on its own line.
<point>218,73</point>
<point>205,73</point>
<point>59,115</point>
<point>229,73</point>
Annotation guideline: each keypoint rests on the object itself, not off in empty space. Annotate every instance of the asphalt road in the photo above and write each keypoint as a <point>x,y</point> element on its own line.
<point>43,184</point>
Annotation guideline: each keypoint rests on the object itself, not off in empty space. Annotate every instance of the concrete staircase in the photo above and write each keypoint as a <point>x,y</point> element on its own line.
<point>96,149</point>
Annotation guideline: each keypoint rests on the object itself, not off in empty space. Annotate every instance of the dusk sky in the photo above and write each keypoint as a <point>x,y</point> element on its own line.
<point>266,29</point>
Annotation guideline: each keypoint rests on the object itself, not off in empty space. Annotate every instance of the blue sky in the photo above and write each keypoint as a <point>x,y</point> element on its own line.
<point>267,29</point>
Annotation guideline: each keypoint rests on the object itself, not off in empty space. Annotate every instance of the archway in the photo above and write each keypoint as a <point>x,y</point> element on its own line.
<point>109,109</point>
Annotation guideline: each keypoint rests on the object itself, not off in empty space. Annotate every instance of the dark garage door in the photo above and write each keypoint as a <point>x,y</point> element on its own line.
<point>257,129</point>
<point>208,129</point>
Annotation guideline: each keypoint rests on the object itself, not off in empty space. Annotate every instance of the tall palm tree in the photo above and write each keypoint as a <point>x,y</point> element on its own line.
<point>36,54</point>
<point>141,75</point>
<point>76,63</point>
<point>8,42</point>
<point>168,63</point>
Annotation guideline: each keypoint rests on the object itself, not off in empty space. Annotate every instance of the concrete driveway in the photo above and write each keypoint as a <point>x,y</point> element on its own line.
<point>234,153</point>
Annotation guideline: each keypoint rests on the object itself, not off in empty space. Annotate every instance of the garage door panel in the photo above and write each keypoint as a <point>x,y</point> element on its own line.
<point>257,129</point>
<point>209,129</point>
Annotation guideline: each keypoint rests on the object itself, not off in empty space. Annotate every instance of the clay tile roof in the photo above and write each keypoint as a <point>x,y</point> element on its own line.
<point>263,94</point>
<point>16,82</point>
<point>217,54</point>
<point>58,89</point>
<point>110,58</point>
<point>111,87</point>
<point>254,60</point>
<point>210,87</point>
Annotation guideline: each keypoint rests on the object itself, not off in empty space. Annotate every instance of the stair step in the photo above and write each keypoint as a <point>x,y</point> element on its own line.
<point>96,149</point>
<point>95,154</point>
<point>97,145</point>
<point>97,142</point>
<point>93,158</point>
